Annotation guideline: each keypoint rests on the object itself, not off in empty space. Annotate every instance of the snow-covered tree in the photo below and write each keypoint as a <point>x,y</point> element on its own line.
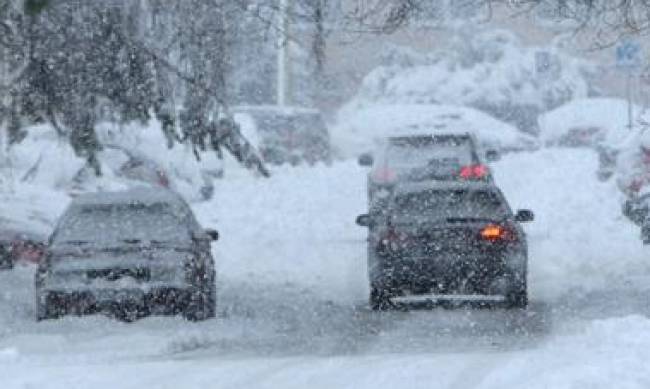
<point>490,70</point>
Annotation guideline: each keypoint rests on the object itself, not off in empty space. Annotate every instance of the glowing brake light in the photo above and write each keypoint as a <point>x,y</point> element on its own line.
<point>494,232</point>
<point>474,171</point>
<point>385,175</point>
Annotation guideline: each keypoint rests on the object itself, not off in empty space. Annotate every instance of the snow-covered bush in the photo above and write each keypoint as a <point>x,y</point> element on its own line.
<point>46,160</point>
<point>491,71</point>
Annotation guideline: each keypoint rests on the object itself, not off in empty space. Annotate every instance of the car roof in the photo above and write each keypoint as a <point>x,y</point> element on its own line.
<point>139,195</point>
<point>415,187</point>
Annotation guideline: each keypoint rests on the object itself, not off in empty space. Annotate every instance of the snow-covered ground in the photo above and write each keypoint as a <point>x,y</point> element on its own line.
<point>293,288</point>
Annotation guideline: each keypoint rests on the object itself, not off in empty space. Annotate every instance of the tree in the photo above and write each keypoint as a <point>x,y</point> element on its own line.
<point>604,21</point>
<point>85,59</point>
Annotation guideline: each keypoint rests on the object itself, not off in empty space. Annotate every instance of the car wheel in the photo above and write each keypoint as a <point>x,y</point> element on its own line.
<point>130,311</point>
<point>517,299</point>
<point>202,304</point>
<point>46,310</point>
<point>380,299</point>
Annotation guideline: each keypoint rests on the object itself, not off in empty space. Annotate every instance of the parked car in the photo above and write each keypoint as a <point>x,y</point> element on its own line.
<point>286,134</point>
<point>447,242</point>
<point>20,245</point>
<point>420,158</point>
<point>637,210</point>
<point>130,253</point>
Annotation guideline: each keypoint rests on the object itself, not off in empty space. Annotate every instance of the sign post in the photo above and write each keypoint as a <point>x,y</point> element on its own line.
<point>629,60</point>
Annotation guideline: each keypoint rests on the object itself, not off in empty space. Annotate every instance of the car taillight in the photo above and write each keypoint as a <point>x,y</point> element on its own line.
<point>474,172</point>
<point>394,240</point>
<point>385,175</point>
<point>497,233</point>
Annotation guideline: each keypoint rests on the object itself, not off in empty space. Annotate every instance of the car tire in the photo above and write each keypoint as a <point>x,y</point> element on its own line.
<point>379,299</point>
<point>45,312</point>
<point>202,304</point>
<point>130,311</point>
<point>517,299</point>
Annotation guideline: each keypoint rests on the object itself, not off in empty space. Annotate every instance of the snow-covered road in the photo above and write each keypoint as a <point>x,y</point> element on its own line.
<point>293,287</point>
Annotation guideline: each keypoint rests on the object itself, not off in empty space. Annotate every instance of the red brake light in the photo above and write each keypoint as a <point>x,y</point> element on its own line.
<point>474,171</point>
<point>385,175</point>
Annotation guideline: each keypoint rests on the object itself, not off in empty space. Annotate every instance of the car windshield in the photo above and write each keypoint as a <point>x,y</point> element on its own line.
<point>118,224</point>
<point>436,205</point>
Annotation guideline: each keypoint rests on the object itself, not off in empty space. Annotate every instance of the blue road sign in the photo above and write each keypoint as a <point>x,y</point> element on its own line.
<point>629,55</point>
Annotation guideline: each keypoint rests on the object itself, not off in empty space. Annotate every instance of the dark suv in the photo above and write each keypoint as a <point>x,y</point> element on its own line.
<point>130,253</point>
<point>420,158</point>
<point>448,241</point>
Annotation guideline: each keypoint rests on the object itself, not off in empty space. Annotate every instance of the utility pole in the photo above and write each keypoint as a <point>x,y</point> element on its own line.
<point>284,54</point>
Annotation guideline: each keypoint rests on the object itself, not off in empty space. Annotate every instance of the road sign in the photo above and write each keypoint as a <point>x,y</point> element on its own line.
<point>629,56</point>
<point>546,65</point>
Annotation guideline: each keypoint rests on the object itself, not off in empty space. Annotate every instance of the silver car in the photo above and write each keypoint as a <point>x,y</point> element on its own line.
<point>131,254</point>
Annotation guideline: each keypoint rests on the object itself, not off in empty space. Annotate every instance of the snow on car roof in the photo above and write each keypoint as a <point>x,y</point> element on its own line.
<point>139,195</point>
<point>359,129</point>
<point>609,114</point>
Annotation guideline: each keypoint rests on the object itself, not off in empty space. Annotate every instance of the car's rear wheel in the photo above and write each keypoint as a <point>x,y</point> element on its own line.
<point>130,311</point>
<point>379,299</point>
<point>47,309</point>
<point>202,304</point>
<point>517,298</point>
<point>44,311</point>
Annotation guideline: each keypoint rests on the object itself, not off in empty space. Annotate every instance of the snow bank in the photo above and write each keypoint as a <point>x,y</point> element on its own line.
<point>359,130</point>
<point>610,115</point>
<point>608,353</point>
<point>579,242</point>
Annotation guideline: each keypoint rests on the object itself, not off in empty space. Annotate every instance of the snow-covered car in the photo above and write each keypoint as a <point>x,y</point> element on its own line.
<point>363,129</point>
<point>637,210</point>
<point>285,134</point>
<point>586,122</point>
<point>442,242</point>
<point>130,253</point>
<point>420,158</point>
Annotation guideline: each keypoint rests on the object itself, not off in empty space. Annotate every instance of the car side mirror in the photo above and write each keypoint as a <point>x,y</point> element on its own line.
<point>364,220</point>
<point>207,234</point>
<point>524,215</point>
<point>366,159</point>
<point>212,234</point>
<point>492,155</point>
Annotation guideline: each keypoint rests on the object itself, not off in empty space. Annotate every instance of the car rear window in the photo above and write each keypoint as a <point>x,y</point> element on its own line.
<point>442,204</point>
<point>114,224</point>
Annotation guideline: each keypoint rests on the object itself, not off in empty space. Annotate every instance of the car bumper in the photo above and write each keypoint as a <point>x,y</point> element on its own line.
<point>464,273</point>
<point>162,300</point>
